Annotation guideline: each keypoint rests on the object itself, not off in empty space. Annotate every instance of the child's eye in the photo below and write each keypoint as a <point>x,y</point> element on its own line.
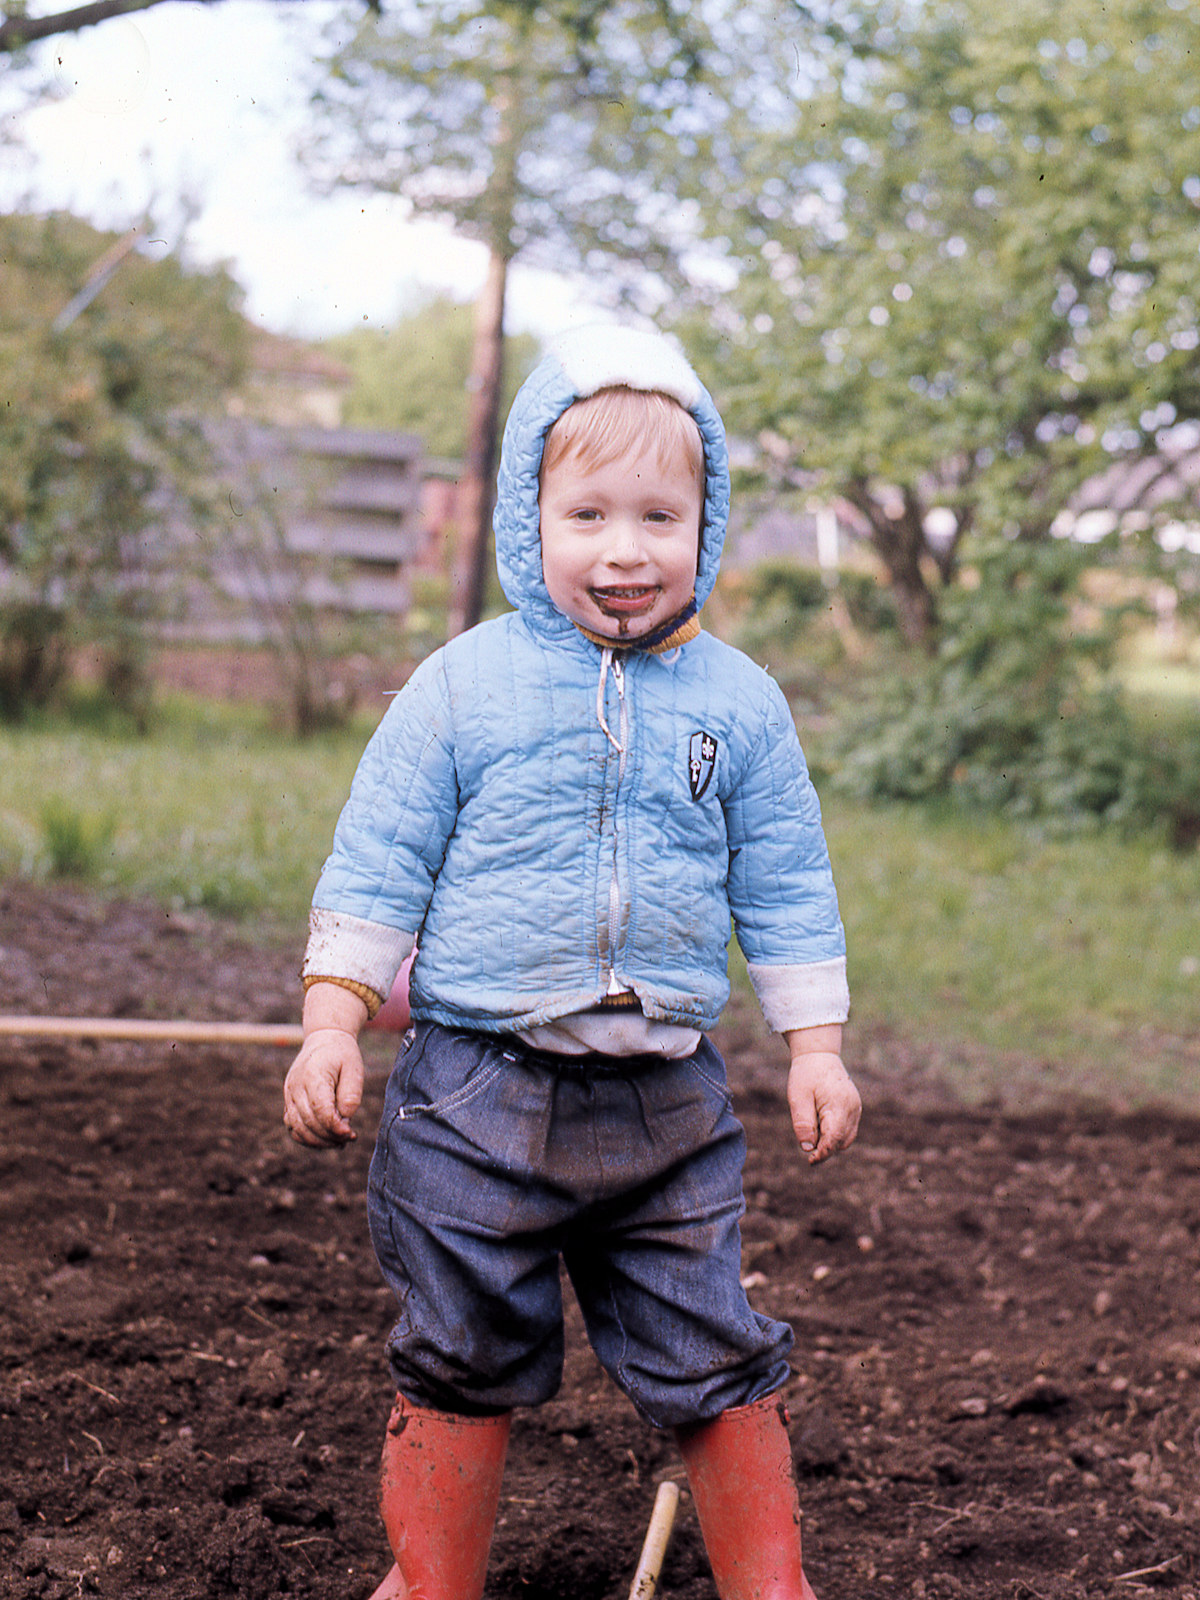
<point>659,516</point>
<point>585,514</point>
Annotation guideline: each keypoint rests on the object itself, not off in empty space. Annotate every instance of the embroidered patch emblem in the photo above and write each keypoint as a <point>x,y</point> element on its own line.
<point>702,758</point>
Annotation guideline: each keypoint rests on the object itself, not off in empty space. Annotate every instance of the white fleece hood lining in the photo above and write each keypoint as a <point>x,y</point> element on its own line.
<point>603,357</point>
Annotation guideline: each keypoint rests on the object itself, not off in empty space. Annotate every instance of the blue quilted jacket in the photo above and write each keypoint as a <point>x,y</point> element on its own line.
<point>552,821</point>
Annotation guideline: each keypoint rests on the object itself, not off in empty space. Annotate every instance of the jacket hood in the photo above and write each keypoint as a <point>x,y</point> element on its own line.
<point>578,364</point>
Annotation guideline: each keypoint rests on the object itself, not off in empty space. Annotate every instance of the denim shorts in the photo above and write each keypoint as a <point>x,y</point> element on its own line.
<point>495,1162</point>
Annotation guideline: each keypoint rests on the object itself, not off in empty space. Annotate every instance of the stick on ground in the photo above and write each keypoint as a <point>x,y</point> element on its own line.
<point>282,1035</point>
<point>658,1534</point>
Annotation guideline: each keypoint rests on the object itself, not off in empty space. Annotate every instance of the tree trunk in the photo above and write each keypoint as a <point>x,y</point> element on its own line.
<point>476,490</point>
<point>900,543</point>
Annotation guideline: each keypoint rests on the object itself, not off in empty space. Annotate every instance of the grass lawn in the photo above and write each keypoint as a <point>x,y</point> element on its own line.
<point>1081,952</point>
<point>1080,956</point>
<point>212,808</point>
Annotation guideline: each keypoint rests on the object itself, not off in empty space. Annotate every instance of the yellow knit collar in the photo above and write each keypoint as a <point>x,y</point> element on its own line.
<point>684,625</point>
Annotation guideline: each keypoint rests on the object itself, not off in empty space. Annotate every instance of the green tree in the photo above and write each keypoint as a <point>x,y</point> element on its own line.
<point>572,136</point>
<point>19,30</point>
<point>413,377</point>
<point>968,277</point>
<point>103,392</point>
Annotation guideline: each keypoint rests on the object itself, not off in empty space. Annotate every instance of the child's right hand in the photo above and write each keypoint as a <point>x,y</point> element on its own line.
<point>323,1088</point>
<point>823,1101</point>
<point>324,1085</point>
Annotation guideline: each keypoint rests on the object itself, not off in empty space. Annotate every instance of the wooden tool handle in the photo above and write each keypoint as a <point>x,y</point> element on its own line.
<point>280,1035</point>
<point>662,1520</point>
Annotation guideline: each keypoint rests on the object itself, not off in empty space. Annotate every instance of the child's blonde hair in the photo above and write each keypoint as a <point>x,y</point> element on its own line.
<point>612,422</point>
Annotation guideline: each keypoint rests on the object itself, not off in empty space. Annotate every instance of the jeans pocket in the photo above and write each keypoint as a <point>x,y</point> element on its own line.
<point>479,1081</point>
<point>441,1072</point>
<point>706,1065</point>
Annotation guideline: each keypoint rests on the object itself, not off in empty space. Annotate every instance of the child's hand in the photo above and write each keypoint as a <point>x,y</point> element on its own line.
<point>324,1085</point>
<point>323,1088</point>
<point>824,1103</point>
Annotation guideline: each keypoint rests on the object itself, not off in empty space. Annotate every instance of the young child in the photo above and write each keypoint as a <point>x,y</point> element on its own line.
<point>563,808</point>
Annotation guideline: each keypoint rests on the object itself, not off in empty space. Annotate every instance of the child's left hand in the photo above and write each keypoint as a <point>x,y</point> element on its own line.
<point>824,1104</point>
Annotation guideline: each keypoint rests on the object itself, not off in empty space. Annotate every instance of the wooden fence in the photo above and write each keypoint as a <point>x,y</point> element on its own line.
<point>327,518</point>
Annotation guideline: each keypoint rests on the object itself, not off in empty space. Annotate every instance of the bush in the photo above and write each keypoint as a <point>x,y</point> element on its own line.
<point>1013,712</point>
<point>783,595</point>
<point>785,589</point>
<point>76,845</point>
<point>100,453</point>
<point>808,632</point>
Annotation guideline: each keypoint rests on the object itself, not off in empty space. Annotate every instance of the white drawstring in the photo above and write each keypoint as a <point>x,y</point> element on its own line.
<point>606,661</point>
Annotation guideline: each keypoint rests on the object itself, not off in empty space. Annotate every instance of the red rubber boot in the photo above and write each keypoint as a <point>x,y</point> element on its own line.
<point>439,1491</point>
<point>740,1473</point>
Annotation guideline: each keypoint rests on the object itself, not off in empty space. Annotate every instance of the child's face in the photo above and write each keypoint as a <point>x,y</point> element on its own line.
<point>620,541</point>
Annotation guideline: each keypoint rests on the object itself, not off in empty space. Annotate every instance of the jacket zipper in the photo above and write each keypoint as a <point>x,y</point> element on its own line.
<point>614,890</point>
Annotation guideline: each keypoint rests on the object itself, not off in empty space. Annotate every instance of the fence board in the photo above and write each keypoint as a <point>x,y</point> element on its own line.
<point>330,518</point>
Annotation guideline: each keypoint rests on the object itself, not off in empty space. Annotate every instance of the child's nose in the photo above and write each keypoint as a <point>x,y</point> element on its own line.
<point>626,548</point>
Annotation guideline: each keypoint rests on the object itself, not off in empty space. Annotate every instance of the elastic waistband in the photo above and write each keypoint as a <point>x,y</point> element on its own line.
<point>624,1000</point>
<point>591,1065</point>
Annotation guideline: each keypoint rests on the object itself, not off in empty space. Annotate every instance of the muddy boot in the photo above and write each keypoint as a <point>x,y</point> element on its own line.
<point>439,1490</point>
<point>740,1473</point>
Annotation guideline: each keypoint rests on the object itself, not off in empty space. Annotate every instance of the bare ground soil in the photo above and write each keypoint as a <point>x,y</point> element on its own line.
<point>995,1390</point>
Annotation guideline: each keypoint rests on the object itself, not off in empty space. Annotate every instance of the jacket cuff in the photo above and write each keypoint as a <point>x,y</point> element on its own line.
<point>802,996</point>
<point>354,952</point>
<point>369,997</point>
